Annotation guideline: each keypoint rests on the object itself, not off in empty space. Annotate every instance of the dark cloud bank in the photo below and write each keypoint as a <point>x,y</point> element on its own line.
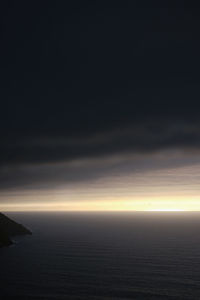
<point>92,79</point>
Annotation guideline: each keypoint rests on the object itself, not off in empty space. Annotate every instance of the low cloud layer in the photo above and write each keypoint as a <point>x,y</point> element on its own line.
<point>139,138</point>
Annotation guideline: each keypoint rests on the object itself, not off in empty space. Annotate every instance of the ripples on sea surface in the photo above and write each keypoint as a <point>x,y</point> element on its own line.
<point>103,256</point>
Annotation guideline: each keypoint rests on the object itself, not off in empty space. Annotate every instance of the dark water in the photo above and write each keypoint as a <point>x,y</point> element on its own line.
<point>104,256</point>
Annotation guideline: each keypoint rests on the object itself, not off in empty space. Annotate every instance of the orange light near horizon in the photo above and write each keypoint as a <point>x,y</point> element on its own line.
<point>167,209</point>
<point>143,204</point>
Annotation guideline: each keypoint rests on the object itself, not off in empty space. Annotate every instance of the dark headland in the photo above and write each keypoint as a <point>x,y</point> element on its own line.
<point>8,229</point>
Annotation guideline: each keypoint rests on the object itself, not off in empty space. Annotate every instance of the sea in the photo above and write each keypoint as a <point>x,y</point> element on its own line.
<point>103,256</point>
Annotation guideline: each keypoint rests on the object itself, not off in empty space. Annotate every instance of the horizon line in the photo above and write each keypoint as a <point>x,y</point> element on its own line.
<point>103,211</point>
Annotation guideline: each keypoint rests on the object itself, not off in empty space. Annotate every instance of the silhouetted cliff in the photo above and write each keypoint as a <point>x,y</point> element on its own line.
<point>9,228</point>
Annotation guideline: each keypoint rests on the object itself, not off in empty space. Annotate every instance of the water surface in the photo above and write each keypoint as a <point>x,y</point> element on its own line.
<point>103,256</point>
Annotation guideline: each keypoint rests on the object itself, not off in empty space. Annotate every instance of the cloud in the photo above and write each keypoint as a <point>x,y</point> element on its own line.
<point>146,137</point>
<point>53,159</point>
<point>73,173</point>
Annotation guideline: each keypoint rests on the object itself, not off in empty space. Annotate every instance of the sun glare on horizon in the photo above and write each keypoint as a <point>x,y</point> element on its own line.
<point>167,209</point>
<point>160,204</point>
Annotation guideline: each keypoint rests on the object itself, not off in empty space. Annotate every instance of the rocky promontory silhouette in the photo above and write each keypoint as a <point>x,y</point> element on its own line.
<point>8,229</point>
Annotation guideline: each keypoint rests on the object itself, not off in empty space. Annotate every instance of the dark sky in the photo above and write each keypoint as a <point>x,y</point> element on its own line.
<point>90,79</point>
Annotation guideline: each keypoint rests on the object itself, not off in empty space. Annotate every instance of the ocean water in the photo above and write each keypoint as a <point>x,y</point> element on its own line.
<point>103,256</point>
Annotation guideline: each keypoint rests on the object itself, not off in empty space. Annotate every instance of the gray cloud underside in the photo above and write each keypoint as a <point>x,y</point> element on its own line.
<point>146,138</point>
<point>88,171</point>
<point>52,161</point>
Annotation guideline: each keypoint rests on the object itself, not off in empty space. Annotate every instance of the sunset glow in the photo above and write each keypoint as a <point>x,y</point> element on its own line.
<point>158,204</point>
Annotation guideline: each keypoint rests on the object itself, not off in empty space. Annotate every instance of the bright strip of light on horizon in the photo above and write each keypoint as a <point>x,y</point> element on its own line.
<point>148,204</point>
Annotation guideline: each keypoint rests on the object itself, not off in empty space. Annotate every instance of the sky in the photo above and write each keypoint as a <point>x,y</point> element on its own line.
<point>99,105</point>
